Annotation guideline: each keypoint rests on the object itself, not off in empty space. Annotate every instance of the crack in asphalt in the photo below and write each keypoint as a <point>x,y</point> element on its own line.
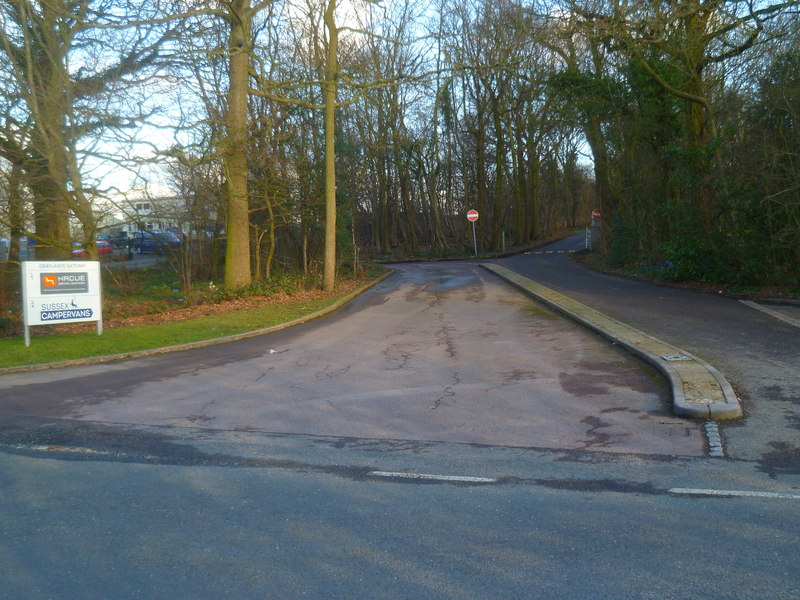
<point>328,373</point>
<point>449,392</point>
<point>333,406</point>
<point>444,336</point>
<point>201,416</point>
<point>396,354</point>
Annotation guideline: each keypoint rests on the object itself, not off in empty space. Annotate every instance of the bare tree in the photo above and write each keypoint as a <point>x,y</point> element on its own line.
<point>66,62</point>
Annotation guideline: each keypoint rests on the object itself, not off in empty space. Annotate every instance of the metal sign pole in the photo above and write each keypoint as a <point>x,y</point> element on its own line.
<point>474,240</point>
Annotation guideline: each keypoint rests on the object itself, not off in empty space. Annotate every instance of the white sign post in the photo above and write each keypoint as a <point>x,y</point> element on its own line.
<point>54,293</point>
<point>472,216</point>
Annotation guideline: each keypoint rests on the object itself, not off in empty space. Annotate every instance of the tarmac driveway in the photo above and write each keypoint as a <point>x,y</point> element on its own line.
<point>438,352</point>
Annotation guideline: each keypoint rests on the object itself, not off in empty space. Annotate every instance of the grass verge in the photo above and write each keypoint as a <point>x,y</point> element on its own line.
<point>54,348</point>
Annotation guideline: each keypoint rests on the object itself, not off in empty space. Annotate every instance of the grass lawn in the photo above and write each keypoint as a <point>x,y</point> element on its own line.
<point>57,347</point>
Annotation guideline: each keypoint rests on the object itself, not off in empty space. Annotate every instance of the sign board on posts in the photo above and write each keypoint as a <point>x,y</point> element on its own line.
<point>59,292</point>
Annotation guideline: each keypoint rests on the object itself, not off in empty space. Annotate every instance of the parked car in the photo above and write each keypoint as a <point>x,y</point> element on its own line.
<point>155,241</point>
<point>117,239</point>
<point>177,232</point>
<point>103,247</point>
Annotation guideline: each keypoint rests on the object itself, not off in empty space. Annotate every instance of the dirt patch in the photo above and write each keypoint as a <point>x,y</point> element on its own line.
<point>226,306</point>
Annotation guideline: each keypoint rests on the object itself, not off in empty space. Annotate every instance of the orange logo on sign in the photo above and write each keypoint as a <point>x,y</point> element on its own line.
<point>49,280</point>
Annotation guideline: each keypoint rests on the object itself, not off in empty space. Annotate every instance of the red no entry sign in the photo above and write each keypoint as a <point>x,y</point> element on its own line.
<point>472,215</point>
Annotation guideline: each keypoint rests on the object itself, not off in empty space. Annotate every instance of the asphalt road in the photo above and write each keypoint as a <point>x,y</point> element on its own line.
<point>436,353</point>
<point>757,352</point>
<point>441,437</point>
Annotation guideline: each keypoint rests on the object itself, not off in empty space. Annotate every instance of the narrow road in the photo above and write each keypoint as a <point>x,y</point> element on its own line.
<point>758,353</point>
<point>440,352</point>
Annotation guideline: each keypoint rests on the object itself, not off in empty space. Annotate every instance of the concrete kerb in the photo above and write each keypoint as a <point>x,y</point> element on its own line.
<point>93,360</point>
<point>698,389</point>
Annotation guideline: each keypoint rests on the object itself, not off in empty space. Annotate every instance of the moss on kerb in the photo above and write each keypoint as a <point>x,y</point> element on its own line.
<point>539,311</point>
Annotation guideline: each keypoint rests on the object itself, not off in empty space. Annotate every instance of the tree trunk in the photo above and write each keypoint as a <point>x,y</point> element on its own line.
<point>480,181</point>
<point>499,161</point>
<point>518,179</point>
<point>329,95</point>
<point>608,205</point>
<point>532,188</point>
<point>409,212</point>
<point>237,257</point>
<point>382,224</point>
<point>51,219</point>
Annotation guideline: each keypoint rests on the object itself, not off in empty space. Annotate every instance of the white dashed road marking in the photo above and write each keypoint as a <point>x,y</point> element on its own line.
<point>429,477</point>
<point>738,493</point>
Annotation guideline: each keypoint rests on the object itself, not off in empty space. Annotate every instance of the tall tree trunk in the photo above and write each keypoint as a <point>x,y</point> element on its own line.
<point>237,256</point>
<point>271,241</point>
<point>329,95</point>
<point>698,114</point>
<point>431,180</point>
<point>518,178</point>
<point>532,189</point>
<point>499,161</point>
<point>15,212</point>
<point>49,105</point>
<point>608,204</point>
<point>480,181</point>
<point>9,270</point>
<point>410,221</point>
<point>51,219</point>
<point>382,223</point>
